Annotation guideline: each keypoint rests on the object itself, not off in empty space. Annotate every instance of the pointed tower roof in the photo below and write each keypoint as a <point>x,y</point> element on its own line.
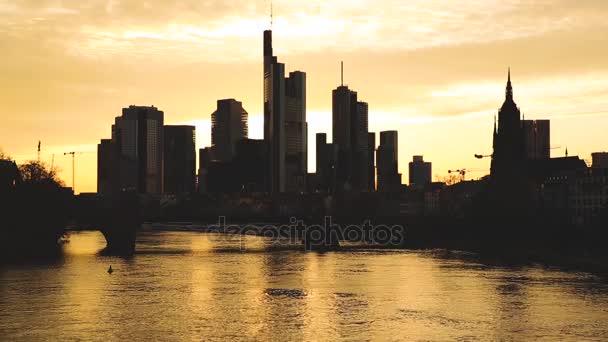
<point>509,92</point>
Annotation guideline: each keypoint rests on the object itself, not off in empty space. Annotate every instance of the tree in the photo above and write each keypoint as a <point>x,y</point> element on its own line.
<point>37,172</point>
<point>4,156</point>
<point>451,179</point>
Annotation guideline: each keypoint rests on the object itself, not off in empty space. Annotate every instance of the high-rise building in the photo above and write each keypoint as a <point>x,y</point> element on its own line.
<point>180,159</point>
<point>250,163</point>
<point>205,157</point>
<point>599,160</point>
<point>326,159</point>
<point>349,129</point>
<point>107,167</point>
<point>537,139</point>
<point>420,172</point>
<point>285,128</point>
<point>274,116</point>
<point>296,132</point>
<point>389,178</point>
<point>138,135</point>
<point>371,166</point>
<point>245,173</point>
<point>228,125</point>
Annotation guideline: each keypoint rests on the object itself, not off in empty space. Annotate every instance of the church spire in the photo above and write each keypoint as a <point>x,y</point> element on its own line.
<point>509,92</point>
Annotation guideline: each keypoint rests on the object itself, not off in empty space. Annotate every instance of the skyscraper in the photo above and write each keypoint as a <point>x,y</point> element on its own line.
<point>349,128</point>
<point>228,125</point>
<point>205,156</point>
<point>296,130</point>
<point>138,135</point>
<point>274,116</point>
<point>326,158</point>
<point>537,139</point>
<point>389,178</point>
<point>420,172</point>
<point>107,167</point>
<point>371,166</point>
<point>180,159</point>
<point>285,128</point>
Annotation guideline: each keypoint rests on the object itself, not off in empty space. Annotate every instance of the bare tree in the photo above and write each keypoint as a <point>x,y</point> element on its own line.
<point>37,172</point>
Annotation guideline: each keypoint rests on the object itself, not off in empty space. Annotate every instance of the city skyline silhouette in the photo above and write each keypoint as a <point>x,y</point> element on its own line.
<point>430,100</point>
<point>285,170</point>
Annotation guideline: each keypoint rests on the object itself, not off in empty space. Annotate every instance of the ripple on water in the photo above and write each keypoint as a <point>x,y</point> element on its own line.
<point>290,293</point>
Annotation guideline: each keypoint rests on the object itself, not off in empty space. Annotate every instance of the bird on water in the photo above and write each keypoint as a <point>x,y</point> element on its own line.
<point>110,270</point>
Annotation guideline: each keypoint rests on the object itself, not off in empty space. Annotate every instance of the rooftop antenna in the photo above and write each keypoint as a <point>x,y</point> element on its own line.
<point>271,16</point>
<point>342,73</point>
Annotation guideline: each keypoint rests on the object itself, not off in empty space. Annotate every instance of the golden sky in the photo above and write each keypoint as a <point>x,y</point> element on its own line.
<point>434,70</point>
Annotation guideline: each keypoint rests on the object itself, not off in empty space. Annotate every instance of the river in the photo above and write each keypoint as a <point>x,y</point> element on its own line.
<point>200,286</point>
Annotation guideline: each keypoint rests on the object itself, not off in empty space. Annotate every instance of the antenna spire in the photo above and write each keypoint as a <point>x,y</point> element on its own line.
<point>271,15</point>
<point>342,73</point>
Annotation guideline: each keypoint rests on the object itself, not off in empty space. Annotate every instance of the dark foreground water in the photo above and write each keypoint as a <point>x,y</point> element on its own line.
<point>192,286</point>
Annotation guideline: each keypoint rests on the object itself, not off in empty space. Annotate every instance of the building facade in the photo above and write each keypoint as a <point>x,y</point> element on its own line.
<point>296,132</point>
<point>180,159</point>
<point>350,136</point>
<point>371,165</point>
<point>537,139</point>
<point>138,135</point>
<point>389,178</point>
<point>420,172</point>
<point>229,124</point>
<point>599,160</point>
<point>285,127</point>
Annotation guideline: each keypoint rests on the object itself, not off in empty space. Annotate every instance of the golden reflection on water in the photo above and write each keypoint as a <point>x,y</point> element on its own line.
<point>193,286</point>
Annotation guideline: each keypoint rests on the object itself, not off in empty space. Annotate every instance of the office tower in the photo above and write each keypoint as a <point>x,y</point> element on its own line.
<point>361,147</point>
<point>228,125</point>
<point>138,134</point>
<point>285,128</point>
<point>205,156</point>
<point>389,179</point>
<point>508,159</point>
<point>245,173</point>
<point>349,128</point>
<point>107,167</point>
<point>251,166</point>
<point>537,139</point>
<point>180,159</point>
<point>599,160</point>
<point>371,166</point>
<point>326,159</point>
<point>420,172</point>
<point>274,116</point>
<point>296,130</point>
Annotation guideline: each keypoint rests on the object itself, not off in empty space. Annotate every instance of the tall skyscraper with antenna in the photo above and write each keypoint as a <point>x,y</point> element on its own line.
<point>350,129</point>
<point>285,129</point>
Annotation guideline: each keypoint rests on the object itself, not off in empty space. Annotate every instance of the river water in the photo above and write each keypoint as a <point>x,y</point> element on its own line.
<point>195,286</point>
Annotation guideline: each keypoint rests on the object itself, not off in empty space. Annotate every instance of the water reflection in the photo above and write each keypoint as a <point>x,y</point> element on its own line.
<point>192,286</point>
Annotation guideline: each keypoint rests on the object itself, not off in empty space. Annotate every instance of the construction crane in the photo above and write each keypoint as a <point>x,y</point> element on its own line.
<point>463,172</point>
<point>73,154</point>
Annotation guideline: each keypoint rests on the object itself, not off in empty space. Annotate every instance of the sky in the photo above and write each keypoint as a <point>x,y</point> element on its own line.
<point>433,70</point>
